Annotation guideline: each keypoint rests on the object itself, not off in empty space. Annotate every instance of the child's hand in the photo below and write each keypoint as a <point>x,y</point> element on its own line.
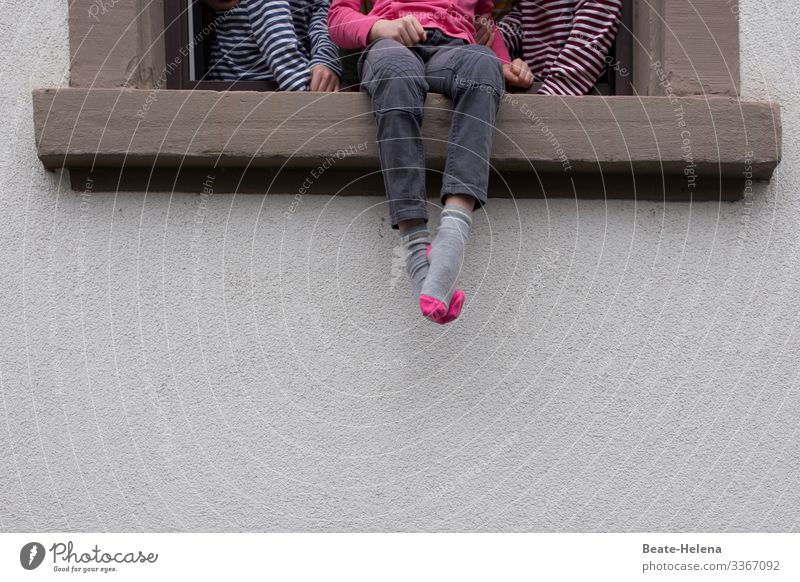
<point>406,30</point>
<point>221,5</point>
<point>518,74</point>
<point>323,79</point>
<point>484,30</point>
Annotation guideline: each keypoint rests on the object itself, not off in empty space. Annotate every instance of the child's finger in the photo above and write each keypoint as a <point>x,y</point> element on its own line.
<point>402,35</point>
<point>413,35</point>
<point>333,83</point>
<point>314,84</point>
<point>515,77</point>
<point>414,31</point>
<point>322,80</point>
<point>511,77</point>
<point>520,68</point>
<point>527,75</point>
<point>529,78</point>
<point>421,34</point>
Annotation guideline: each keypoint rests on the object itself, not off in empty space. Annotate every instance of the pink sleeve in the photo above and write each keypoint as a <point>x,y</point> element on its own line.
<point>484,8</point>
<point>499,46</point>
<point>348,27</point>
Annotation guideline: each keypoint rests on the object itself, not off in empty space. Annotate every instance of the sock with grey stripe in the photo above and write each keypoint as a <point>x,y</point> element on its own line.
<point>415,242</point>
<point>446,256</point>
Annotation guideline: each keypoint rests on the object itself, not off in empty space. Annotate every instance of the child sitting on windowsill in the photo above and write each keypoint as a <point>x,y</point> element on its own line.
<point>285,41</point>
<point>412,48</point>
<point>564,42</point>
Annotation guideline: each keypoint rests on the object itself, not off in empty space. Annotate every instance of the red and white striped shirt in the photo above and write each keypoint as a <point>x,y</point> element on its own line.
<point>565,42</point>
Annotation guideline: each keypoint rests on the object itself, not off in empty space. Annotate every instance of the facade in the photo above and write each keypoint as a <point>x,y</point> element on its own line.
<point>187,358</point>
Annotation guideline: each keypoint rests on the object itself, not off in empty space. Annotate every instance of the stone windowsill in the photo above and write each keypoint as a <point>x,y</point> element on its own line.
<point>538,138</point>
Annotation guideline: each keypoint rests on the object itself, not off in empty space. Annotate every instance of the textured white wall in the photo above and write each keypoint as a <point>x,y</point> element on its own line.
<point>205,363</point>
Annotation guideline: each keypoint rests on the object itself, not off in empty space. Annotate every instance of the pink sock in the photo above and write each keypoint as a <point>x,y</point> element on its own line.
<point>456,305</point>
<point>432,308</point>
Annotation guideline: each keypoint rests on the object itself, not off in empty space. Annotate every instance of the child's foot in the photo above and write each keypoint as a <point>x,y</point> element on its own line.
<point>438,301</point>
<point>416,242</point>
<point>456,305</point>
<point>434,309</point>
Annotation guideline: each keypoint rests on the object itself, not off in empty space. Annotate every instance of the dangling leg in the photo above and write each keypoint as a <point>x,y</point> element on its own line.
<point>472,76</point>
<point>394,77</point>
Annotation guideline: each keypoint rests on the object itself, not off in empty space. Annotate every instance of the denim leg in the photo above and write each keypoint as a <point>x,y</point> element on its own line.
<point>394,77</point>
<point>472,76</point>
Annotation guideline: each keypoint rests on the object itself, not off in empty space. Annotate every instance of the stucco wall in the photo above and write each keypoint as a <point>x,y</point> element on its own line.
<point>226,362</point>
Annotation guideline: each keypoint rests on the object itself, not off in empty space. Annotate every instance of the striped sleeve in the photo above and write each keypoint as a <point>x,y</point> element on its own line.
<point>323,50</point>
<point>273,28</point>
<point>580,62</point>
<point>511,27</point>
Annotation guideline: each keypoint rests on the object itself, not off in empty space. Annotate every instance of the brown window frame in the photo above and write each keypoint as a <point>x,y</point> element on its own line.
<point>179,14</point>
<point>117,121</point>
<point>622,79</point>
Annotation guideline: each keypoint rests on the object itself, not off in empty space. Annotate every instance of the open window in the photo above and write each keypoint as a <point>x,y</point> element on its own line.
<point>685,134</point>
<point>189,32</point>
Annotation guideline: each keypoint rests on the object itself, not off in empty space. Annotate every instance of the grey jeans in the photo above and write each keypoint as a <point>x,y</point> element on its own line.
<point>398,78</point>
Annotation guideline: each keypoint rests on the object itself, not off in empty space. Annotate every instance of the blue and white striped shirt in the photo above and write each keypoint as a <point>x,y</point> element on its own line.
<point>273,40</point>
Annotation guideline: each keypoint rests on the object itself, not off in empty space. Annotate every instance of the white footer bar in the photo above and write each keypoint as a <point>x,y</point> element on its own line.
<point>406,557</point>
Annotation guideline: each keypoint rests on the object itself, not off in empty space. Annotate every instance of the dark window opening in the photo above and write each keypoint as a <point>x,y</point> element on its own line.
<point>189,30</point>
<point>188,34</point>
<point>619,71</point>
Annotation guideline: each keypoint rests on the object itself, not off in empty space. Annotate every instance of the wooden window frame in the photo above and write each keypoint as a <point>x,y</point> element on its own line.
<point>180,22</point>
<point>696,42</point>
<point>114,119</point>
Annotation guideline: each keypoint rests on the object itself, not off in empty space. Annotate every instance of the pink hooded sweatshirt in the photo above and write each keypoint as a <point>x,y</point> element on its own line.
<point>349,28</point>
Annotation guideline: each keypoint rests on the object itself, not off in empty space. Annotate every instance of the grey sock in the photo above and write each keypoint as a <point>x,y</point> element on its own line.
<point>415,242</point>
<point>447,253</point>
